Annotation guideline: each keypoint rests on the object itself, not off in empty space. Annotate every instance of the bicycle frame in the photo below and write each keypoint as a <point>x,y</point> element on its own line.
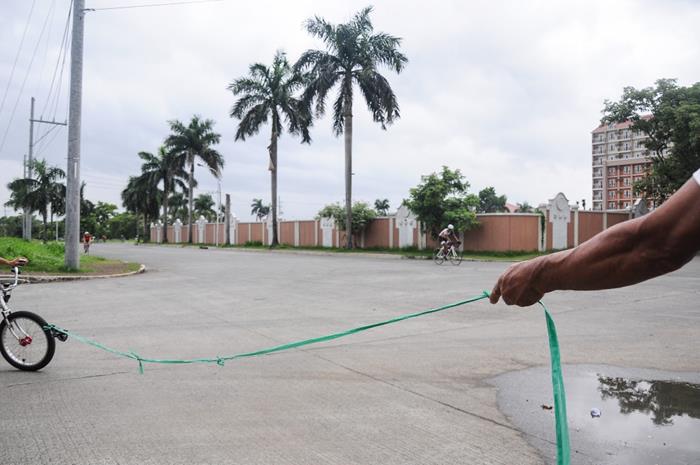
<point>450,252</point>
<point>5,308</point>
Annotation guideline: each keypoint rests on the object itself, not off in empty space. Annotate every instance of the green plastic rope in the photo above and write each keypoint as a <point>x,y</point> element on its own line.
<point>561,423</point>
<point>562,430</point>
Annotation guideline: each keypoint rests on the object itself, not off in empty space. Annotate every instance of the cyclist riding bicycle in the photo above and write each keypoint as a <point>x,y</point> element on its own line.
<point>87,238</point>
<point>448,238</point>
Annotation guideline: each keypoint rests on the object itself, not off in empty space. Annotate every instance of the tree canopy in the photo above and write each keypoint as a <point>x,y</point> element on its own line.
<point>441,199</point>
<point>669,115</point>
<point>490,202</point>
<point>382,206</point>
<point>362,214</point>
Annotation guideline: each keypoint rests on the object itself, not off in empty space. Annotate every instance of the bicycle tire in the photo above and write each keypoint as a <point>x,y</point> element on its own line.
<point>438,258</point>
<point>43,343</point>
<point>456,258</point>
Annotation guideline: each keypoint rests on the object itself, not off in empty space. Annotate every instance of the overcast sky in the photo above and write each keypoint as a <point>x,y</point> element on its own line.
<point>507,92</point>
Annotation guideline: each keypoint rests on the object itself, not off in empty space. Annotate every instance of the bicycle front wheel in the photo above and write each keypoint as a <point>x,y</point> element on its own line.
<point>24,341</point>
<point>455,258</point>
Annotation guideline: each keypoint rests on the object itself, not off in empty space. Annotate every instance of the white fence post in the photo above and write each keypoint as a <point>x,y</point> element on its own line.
<point>201,229</point>
<point>327,225</point>
<point>559,215</point>
<point>177,230</point>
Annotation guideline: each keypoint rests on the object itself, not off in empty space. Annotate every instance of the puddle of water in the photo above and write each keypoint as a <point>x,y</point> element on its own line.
<point>646,417</point>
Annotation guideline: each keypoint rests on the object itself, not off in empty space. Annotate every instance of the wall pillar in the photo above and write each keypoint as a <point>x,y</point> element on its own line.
<point>201,229</point>
<point>391,232</point>
<point>177,231</point>
<point>327,225</point>
<point>559,215</point>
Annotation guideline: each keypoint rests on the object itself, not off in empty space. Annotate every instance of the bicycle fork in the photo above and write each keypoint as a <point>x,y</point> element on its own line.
<point>16,330</point>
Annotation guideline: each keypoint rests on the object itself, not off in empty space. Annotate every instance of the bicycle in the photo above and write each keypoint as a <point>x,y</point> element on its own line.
<point>26,340</point>
<point>452,254</point>
<point>86,247</point>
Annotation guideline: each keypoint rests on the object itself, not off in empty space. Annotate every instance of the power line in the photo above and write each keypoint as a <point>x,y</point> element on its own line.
<point>62,53</point>
<point>40,151</point>
<point>21,43</point>
<point>149,5</point>
<point>26,76</point>
<point>40,76</point>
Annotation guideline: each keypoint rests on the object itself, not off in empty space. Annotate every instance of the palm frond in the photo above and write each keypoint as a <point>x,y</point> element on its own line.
<point>379,96</point>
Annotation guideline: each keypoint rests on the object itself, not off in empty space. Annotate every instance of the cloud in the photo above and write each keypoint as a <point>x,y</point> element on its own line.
<point>507,91</point>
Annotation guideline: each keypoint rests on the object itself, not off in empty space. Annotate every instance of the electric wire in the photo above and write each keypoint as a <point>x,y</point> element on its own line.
<point>40,75</point>
<point>19,50</point>
<point>57,99</point>
<point>46,133</point>
<point>60,62</point>
<point>45,144</point>
<point>40,150</point>
<point>61,53</point>
<point>24,82</point>
<point>150,5</point>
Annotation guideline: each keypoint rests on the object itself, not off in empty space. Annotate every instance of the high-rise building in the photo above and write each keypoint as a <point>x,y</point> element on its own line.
<point>619,159</point>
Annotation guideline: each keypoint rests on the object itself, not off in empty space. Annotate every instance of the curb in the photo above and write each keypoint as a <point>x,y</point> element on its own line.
<point>52,279</point>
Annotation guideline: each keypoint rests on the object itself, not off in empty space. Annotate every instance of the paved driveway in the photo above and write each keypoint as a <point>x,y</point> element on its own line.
<point>412,393</point>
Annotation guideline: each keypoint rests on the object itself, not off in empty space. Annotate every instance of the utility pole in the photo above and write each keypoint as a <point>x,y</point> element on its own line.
<point>227,220</point>
<point>218,212</point>
<point>29,168</point>
<point>27,232</point>
<point>72,232</point>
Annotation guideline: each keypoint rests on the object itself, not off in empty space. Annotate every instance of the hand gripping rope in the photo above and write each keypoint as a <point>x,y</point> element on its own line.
<point>561,426</point>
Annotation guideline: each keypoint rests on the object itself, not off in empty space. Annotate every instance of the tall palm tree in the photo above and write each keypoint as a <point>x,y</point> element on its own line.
<point>40,192</point>
<point>141,197</point>
<point>168,167</point>
<point>353,54</point>
<point>195,141</point>
<point>269,93</point>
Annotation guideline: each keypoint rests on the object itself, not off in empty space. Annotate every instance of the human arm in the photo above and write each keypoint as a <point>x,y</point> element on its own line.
<point>628,253</point>
<point>18,261</point>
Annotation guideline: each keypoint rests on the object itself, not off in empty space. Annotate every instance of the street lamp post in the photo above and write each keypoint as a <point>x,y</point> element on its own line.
<point>218,212</point>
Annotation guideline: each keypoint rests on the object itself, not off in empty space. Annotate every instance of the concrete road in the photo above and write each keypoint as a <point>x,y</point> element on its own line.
<point>413,393</point>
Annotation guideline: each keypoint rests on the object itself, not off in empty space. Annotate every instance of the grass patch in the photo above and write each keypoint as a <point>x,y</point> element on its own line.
<point>49,258</point>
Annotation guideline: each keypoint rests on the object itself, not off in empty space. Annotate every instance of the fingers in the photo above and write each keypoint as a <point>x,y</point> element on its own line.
<point>495,293</point>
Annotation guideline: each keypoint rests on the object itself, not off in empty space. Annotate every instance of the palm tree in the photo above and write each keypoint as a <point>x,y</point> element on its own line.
<point>167,167</point>
<point>524,208</point>
<point>269,93</point>
<point>382,206</point>
<point>195,141</point>
<point>141,197</point>
<point>177,204</point>
<point>259,209</point>
<point>204,206</point>
<point>39,193</point>
<point>353,54</point>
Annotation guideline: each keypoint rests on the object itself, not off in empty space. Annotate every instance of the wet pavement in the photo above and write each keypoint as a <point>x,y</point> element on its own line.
<point>646,416</point>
